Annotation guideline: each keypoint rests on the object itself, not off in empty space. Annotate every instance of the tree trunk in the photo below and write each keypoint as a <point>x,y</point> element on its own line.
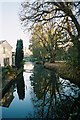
<point>52,60</point>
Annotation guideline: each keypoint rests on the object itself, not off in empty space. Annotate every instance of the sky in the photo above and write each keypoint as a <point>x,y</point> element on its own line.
<point>10,27</point>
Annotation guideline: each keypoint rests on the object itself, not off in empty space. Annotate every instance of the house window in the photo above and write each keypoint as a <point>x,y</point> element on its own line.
<point>6,61</point>
<point>3,50</point>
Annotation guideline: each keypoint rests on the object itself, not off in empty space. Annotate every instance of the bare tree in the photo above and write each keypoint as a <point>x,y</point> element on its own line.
<point>47,11</point>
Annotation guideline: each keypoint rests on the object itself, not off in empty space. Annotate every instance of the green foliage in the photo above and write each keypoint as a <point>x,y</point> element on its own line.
<point>6,70</point>
<point>36,46</point>
<point>19,54</point>
<point>61,54</point>
<point>44,42</point>
<point>66,25</point>
<point>72,57</point>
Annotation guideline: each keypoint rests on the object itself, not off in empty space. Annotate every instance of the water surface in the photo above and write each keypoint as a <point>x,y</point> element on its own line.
<point>41,93</point>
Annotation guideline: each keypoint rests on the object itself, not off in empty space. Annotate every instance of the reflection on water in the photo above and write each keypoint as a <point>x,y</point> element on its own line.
<point>7,99</point>
<point>20,86</point>
<point>41,93</point>
<point>54,97</point>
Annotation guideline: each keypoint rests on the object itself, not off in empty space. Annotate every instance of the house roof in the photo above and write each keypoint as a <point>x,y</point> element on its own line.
<point>5,41</point>
<point>2,41</point>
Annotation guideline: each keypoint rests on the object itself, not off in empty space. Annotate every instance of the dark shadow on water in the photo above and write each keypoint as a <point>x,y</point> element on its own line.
<point>20,86</point>
<point>51,97</point>
<point>8,97</point>
<point>54,97</point>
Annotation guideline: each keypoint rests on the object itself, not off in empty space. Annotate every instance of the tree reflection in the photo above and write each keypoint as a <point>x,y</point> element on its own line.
<point>20,86</point>
<point>54,98</point>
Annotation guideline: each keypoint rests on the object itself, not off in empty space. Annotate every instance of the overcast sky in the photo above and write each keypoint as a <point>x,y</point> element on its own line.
<point>10,27</point>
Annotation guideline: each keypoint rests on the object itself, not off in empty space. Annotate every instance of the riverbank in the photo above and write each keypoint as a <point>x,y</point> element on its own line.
<point>7,83</point>
<point>65,71</point>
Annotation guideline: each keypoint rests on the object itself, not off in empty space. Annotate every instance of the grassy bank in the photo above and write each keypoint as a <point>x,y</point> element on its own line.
<point>65,71</point>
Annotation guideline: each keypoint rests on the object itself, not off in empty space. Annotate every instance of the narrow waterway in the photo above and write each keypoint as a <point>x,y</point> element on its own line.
<point>41,93</point>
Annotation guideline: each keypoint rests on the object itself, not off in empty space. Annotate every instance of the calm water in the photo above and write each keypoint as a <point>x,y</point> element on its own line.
<point>41,93</point>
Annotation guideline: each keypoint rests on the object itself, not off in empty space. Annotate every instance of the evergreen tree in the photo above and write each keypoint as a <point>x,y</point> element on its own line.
<point>19,54</point>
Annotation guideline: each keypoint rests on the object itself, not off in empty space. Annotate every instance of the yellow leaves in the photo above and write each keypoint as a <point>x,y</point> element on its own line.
<point>68,24</point>
<point>41,44</point>
<point>52,31</point>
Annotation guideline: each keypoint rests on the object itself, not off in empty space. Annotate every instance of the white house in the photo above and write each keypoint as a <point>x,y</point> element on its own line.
<point>5,53</point>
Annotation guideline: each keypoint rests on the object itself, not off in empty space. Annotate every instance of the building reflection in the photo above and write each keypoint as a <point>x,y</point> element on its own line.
<point>20,86</point>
